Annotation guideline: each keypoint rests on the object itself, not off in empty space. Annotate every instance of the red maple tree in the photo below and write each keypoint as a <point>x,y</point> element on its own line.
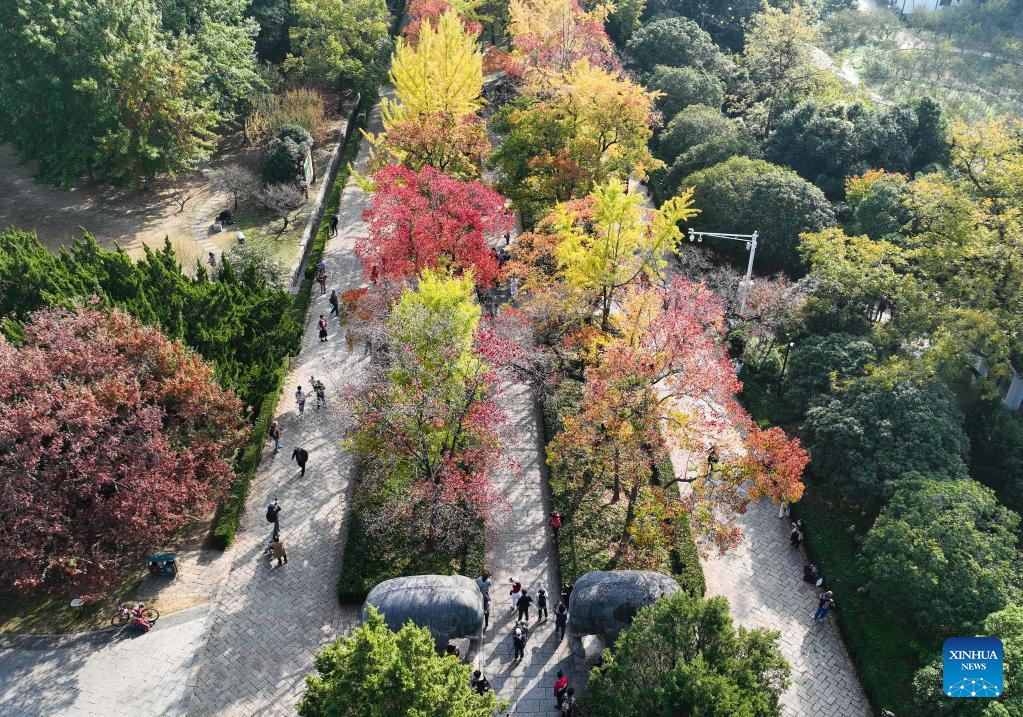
<point>426,219</point>
<point>111,437</point>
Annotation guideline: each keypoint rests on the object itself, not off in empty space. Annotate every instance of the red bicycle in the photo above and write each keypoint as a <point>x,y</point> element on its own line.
<point>141,616</point>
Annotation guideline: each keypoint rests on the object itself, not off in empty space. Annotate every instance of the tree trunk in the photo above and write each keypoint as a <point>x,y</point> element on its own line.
<point>618,482</point>
<point>630,512</point>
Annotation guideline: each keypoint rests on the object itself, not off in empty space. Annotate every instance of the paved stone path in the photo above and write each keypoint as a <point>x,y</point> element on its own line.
<point>763,581</point>
<point>125,675</point>
<point>269,621</point>
<point>519,545</point>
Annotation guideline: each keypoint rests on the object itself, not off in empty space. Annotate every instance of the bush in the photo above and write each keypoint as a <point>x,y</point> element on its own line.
<point>821,360</point>
<point>282,163</point>
<point>996,450</point>
<point>296,134</point>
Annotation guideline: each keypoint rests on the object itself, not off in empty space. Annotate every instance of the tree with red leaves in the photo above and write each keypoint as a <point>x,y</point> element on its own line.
<point>111,437</point>
<point>427,220</point>
<point>664,382</point>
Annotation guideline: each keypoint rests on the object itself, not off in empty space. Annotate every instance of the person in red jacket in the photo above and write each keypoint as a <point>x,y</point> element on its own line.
<point>555,522</point>
<point>560,685</point>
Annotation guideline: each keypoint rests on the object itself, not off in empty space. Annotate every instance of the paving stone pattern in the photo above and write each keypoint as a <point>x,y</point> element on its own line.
<point>269,621</point>
<point>763,581</point>
<point>123,674</point>
<point>519,545</point>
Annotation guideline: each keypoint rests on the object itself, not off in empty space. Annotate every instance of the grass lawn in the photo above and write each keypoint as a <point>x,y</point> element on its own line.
<point>50,615</point>
<point>259,225</point>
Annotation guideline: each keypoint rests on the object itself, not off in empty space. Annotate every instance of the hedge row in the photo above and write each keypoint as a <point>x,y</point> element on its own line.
<point>248,462</point>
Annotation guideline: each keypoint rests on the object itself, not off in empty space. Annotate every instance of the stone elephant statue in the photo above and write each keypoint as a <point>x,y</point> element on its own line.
<point>449,606</point>
<point>604,602</point>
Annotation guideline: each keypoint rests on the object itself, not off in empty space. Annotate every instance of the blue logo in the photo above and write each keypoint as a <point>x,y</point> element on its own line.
<point>972,667</point>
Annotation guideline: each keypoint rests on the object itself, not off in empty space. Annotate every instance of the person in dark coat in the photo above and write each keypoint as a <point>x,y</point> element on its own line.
<point>300,456</point>
<point>560,619</point>
<point>523,604</point>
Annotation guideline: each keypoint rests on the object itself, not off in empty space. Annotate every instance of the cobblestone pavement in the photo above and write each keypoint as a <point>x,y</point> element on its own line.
<point>519,545</point>
<point>762,580</point>
<point>126,674</point>
<point>270,620</point>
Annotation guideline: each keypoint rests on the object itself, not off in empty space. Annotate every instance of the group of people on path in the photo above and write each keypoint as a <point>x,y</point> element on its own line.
<point>520,601</point>
<point>811,573</point>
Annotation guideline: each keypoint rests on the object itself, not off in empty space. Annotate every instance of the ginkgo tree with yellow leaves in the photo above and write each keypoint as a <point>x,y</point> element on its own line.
<point>554,34</point>
<point>438,88</point>
<point>609,241</point>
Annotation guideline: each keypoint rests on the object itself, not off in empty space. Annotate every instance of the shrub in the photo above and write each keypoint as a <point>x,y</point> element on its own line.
<point>282,163</point>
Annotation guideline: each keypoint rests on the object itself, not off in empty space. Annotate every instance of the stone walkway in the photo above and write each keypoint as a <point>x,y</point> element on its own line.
<point>127,674</point>
<point>763,581</point>
<point>519,546</point>
<point>269,621</point>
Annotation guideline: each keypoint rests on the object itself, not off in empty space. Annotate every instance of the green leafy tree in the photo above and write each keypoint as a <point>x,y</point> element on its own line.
<point>674,42</point>
<point>682,656</point>
<point>117,89</point>
<point>828,143</point>
<point>339,45</point>
<point>379,673</point>
<point>624,21</point>
<point>238,322</point>
<point>823,361</point>
<point>881,210</point>
<point>872,434</point>
<point>930,141</point>
<point>745,195</point>
<point>928,693</point>
<point>684,86</point>
<point>778,55</point>
<point>693,126</point>
<point>274,18</point>
<point>724,21</point>
<point>943,552</point>
<point>282,163</point>
<point>996,449</point>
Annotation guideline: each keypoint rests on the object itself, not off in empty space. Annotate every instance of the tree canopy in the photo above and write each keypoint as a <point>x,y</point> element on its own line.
<point>872,434</point>
<point>945,547</point>
<point>113,437</point>
<point>744,195</point>
<point>692,661</point>
<point>375,672</point>
<point>179,69</point>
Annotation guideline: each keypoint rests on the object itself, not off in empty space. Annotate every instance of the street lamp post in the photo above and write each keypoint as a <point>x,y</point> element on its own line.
<point>750,240</point>
<point>785,361</point>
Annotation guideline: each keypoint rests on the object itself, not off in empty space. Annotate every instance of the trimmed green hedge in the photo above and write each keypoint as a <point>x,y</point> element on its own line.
<point>368,561</point>
<point>582,541</point>
<point>248,462</point>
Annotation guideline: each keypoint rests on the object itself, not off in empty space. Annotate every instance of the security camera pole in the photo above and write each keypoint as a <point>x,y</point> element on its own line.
<point>751,246</point>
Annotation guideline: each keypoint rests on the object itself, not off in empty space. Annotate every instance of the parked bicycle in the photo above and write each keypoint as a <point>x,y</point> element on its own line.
<point>138,614</point>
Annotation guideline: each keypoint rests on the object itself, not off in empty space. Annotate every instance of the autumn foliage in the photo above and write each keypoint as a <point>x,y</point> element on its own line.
<point>111,437</point>
<point>427,220</point>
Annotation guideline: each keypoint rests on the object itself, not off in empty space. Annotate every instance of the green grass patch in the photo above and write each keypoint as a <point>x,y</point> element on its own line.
<point>370,559</point>
<point>885,649</point>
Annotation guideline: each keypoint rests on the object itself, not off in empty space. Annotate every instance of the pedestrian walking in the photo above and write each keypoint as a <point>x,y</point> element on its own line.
<point>519,636</point>
<point>321,279</point>
<point>482,685</point>
<point>566,593</point>
<point>333,225</point>
<point>323,328</point>
<point>507,238</point>
<point>335,304</point>
<point>212,260</point>
<point>484,583</point>
<point>560,619</point>
<point>560,687</point>
<point>541,603</point>
<point>273,515</point>
<point>300,400</point>
<point>824,603</point>
<point>486,611</point>
<point>570,707</point>
<point>795,537</point>
<point>555,523</point>
<point>301,456</point>
<point>321,265</point>
<point>515,593</point>
<point>275,433</point>
<point>374,274</point>
<point>277,550</point>
<point>712,458</point>
<point>513,286</point>
<point>321,392</point>
<point>523,604</point>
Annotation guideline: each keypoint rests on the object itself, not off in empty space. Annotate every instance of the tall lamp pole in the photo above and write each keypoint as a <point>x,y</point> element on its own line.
<point>750,240</point>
